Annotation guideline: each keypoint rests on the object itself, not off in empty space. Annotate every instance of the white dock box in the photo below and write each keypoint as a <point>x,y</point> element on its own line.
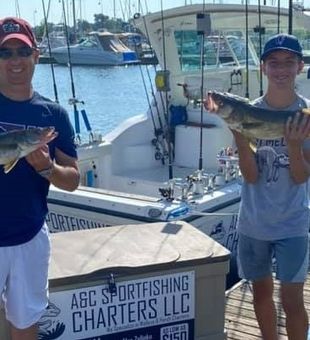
<point>158,281</point>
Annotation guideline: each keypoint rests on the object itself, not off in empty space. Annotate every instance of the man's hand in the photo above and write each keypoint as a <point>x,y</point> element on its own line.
<point>40,159</point>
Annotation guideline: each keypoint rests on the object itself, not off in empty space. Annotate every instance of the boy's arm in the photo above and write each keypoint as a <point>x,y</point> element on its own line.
<point>247,162</point>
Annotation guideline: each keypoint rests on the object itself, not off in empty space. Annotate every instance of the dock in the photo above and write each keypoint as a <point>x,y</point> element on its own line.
<point>240,320</point>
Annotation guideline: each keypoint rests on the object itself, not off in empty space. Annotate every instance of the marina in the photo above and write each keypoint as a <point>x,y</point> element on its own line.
<point>175,161</point>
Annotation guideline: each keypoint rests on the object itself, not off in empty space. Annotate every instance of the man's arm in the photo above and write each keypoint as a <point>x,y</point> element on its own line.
<point>64,170</point>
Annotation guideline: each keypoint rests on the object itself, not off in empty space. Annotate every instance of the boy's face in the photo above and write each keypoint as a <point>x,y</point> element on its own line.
<point>282,67</point>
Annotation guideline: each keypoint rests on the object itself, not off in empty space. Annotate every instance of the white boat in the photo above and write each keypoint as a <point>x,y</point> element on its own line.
<point>133,174</point>
<point>97,48</point>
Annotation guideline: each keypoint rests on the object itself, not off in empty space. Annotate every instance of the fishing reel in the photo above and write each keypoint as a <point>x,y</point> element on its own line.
<point>74,101</point>
<point>228,164</point>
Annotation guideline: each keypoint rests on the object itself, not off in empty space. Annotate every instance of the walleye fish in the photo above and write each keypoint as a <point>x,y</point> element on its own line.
<point>251,121</point>
<point>16,144</point>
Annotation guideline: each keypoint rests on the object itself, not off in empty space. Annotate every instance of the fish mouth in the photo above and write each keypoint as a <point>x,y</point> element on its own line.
<point>43,136</point>
<point>211,104</point>
<point>48,134</point>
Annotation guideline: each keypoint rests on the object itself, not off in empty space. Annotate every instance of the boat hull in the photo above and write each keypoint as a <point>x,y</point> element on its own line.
<point>67,214</point>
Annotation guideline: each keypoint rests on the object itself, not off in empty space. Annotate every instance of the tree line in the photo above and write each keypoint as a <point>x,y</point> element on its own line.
<point>101,22</point>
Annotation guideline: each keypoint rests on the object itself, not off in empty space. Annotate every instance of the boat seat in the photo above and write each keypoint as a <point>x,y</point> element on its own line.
<point>135,157</point>
<point>215,138</point>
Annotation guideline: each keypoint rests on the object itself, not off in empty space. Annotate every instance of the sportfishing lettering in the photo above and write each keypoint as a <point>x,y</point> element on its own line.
<point>58,222</point>
<point>141,303</point>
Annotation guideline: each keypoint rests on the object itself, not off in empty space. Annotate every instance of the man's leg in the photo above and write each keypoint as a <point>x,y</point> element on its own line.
<point>265,308</point>
<point>30,333</point>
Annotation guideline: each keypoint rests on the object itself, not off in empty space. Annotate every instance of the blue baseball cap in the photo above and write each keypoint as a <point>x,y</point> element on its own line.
<point>282,42</point>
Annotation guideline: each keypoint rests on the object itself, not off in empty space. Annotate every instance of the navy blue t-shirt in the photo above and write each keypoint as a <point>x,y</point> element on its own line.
<point>23,192</point>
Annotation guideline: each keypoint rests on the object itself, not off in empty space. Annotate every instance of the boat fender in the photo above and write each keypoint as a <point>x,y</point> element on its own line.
<point>89,178</point>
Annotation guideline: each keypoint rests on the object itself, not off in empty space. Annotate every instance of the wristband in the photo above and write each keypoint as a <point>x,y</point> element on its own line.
<point>46,172</point>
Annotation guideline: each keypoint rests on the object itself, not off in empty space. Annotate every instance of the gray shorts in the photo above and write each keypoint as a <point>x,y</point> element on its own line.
<point>289,258</point>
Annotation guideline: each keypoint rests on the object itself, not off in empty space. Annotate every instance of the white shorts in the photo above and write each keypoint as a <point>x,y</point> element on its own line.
<point>24,280</point>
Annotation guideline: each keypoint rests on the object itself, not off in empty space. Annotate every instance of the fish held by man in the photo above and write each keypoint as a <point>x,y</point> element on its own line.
<point>16,144</point>
<point>251,121</point>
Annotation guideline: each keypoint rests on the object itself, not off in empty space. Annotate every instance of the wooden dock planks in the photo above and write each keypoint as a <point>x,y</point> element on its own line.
<point>240,320</point>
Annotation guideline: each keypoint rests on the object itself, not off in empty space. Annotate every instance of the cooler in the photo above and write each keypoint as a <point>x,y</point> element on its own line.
<point>159,281</point>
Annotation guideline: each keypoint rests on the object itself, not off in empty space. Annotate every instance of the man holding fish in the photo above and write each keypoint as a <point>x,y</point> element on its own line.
<point>272,137</point>
<point>36,148</point>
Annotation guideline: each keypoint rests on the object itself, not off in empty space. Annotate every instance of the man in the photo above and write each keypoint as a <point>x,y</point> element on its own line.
<point>24,241</point>
<point>274,215</point>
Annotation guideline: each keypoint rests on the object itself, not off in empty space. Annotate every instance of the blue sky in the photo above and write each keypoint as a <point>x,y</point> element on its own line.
<point>32,11</point>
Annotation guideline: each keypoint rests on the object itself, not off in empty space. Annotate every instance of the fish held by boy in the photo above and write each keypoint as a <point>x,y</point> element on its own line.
<point>251,121</point>
<point>16,144</point>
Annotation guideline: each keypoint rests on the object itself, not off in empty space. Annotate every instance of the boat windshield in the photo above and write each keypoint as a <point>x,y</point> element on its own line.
<point>89,42</point>
<point>219,50</point>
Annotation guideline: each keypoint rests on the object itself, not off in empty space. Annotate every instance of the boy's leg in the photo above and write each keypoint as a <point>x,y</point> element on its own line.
<point>265,308</point>
<point>295,311</point>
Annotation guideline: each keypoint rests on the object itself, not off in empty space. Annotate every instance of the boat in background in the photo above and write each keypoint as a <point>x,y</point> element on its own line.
<point>55,38</point>
<point>138,43</point>
<point>97,48</point>
<point>177,161</point>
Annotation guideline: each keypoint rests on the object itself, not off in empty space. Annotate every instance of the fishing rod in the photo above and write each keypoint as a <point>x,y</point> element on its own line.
<point>159,155</point>
<point>17,10</point>
<point>150,81</point>
<point>278,17</point>
<point>155,69</point>
<point>162,79</point>
<point>290,17</point>
<point>261,30</point>
<point>158,132</point>
<point>247,86</point>
<point>74,101</point>
<point>203,27</point>
<point>50,50</point>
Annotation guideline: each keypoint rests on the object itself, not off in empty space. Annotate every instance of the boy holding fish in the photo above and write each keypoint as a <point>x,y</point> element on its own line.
<point>274,211</point>
<point>37,148</point>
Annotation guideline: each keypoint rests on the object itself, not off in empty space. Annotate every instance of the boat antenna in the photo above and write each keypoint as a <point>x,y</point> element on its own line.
<point>203,28</point>
<point>74,101</point>
<point>260,30</point>
<point>247,94</point>
<point>164,80</point>
<point>49,51</point>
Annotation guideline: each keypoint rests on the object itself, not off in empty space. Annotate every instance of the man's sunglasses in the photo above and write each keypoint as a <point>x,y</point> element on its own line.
<point>22,52</point>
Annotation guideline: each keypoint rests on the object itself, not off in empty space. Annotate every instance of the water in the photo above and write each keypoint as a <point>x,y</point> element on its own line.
<point>111,94</point>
